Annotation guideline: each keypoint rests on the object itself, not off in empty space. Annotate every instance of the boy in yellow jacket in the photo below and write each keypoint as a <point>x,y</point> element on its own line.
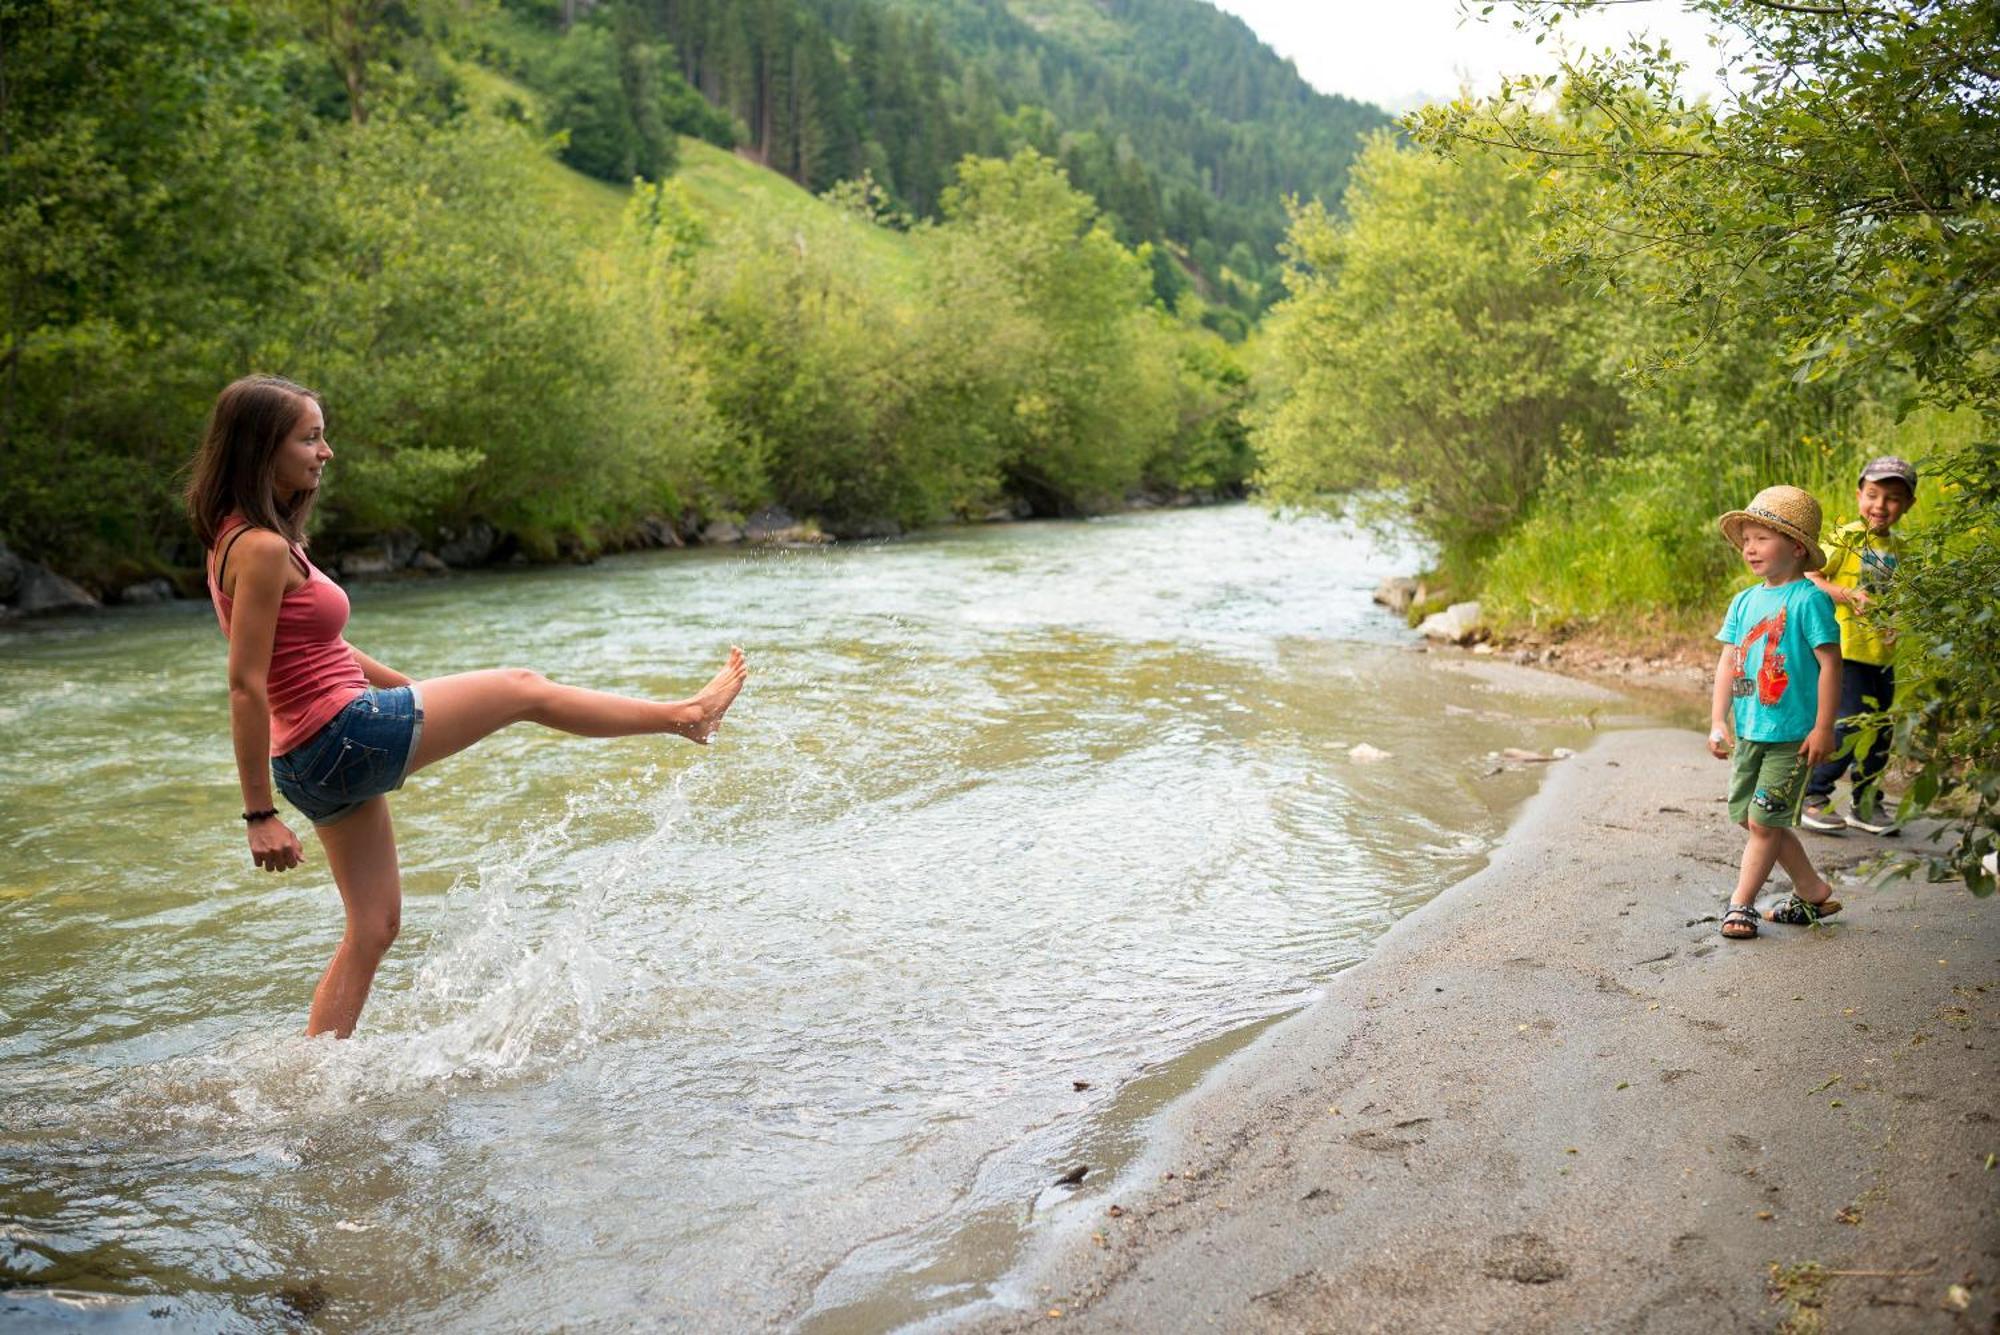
<point>1860,562</point>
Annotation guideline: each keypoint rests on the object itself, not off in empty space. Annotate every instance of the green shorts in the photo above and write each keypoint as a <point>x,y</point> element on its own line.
<point>1767,783</point>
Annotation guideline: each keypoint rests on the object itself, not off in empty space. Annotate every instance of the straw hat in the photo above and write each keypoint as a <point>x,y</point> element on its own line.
<point>1785,510</point>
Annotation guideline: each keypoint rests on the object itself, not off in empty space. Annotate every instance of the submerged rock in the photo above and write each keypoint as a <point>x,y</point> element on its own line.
<point>1457,624</point>
<point>392,551</point>
<point>12,569</point>
<point>471,546</point>
<point>775,527</point>
<point>42,590</point>
<point>147,591</point>
<point>368,562</point>
<point>1396,593</point>
<point>868,530</point>
<point>656,531</point>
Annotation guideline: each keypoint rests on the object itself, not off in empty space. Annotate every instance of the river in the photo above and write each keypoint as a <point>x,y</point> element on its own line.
<point>1014,832</point>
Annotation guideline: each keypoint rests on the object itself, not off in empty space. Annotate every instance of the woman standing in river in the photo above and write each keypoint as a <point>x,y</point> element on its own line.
<point>331,727</point>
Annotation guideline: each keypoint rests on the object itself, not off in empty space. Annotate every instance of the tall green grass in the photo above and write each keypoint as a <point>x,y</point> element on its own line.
<point>1633,539</point>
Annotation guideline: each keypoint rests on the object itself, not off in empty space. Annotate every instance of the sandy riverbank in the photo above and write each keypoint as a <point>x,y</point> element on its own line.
<point>1555,1098</point>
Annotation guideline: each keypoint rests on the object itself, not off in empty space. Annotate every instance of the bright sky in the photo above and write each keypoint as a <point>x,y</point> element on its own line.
<point>1401,53</point>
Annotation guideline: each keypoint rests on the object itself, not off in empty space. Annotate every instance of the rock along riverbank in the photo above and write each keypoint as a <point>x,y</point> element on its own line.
<point>1555,1098</point>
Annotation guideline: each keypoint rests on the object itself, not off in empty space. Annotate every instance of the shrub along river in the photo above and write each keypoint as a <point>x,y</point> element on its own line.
<point>1015,831</point>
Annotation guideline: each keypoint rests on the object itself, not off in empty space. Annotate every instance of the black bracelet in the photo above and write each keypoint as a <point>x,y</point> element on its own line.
<point>254,816</point>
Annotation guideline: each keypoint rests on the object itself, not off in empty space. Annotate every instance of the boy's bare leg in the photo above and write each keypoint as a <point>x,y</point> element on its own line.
<point>1805,881</point>
<point>1760,854</point>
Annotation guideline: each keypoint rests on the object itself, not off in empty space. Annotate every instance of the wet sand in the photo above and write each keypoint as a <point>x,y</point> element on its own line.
<point>1556,1098</point>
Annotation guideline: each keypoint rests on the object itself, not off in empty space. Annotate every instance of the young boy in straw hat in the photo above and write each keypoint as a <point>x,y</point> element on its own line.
<point>1778,682</point>
<point>1860,562</point>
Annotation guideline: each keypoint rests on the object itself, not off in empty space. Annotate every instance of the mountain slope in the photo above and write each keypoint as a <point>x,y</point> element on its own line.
<point>1226,126</point>
<point>1173,116</point>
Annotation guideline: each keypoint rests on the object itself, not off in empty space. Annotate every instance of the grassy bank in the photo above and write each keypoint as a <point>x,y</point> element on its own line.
<point>1626,550</point>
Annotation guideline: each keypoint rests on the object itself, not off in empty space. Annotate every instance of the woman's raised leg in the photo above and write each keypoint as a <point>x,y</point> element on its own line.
<point>361,850</point>
<point>461,709</point>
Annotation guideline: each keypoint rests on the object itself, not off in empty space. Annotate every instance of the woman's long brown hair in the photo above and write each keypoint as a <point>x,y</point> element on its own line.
<point>238,458</point>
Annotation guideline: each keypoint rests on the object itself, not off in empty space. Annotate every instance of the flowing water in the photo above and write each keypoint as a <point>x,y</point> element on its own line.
<point>1014,832</point>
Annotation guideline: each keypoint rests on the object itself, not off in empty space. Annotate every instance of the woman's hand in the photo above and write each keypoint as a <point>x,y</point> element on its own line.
<point>274,847</point>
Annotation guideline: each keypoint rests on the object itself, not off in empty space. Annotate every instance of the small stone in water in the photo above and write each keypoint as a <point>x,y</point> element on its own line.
<point>1367,754</point>
<point>1080,1085</point>
<point>1073,1176</point>
<point>307,1299</point>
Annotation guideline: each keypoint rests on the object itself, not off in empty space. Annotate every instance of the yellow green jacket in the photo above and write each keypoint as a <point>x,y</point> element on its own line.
<point>1860,558</point>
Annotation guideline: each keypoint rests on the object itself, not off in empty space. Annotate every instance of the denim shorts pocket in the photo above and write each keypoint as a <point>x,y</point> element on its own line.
<point>348,768</point>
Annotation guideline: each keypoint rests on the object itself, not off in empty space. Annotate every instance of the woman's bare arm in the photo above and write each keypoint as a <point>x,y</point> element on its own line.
<point>261,561</point>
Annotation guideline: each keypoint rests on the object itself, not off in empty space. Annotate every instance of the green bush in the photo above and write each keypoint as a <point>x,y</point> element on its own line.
<point>1426,358</point>
<point>149,235</point>
<point>1077,390</point>
<point>470,366</point>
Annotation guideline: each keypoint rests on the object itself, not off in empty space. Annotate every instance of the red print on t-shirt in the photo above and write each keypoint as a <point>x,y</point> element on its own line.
<point>1771,678</point>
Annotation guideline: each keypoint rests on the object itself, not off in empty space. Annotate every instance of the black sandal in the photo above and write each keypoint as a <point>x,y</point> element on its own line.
<point>1797,912</point>
<point>1739,915</point>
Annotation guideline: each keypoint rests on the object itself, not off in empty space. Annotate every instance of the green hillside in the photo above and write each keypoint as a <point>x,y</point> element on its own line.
<point>730,192</point>
<point>1224,127</point>
<point>594,207</point>
<point>734,191</point>
<point>1180,125</point>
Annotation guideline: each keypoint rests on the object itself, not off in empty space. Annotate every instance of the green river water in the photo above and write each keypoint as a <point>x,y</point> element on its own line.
<point>787,1032</point>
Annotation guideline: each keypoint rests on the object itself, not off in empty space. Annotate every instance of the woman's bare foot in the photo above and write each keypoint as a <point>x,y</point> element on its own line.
<point>713,700</point>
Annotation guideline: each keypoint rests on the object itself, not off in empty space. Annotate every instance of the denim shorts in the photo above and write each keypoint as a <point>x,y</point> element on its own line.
<point>365,751</point>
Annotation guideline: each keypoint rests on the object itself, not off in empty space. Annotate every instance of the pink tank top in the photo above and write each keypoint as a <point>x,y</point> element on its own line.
<point>313,674</point>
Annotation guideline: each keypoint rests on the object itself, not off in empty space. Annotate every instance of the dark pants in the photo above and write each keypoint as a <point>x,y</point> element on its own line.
<point>1864,688</point>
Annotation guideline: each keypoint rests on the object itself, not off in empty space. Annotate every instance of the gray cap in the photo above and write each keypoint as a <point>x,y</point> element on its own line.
<point>1889,466</point>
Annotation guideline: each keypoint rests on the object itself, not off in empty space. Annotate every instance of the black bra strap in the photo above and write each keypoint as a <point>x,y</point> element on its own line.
<point>222,557</point>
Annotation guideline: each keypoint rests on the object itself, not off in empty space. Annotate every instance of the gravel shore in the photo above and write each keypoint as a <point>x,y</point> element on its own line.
<point>1555,1098</point>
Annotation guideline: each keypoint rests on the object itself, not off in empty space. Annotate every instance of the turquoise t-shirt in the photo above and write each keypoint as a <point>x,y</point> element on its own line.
<point>1775,685</point>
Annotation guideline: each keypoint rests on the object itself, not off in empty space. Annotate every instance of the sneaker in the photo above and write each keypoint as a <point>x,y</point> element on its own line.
<point>1822,817</point>
<point>1870,818</point>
